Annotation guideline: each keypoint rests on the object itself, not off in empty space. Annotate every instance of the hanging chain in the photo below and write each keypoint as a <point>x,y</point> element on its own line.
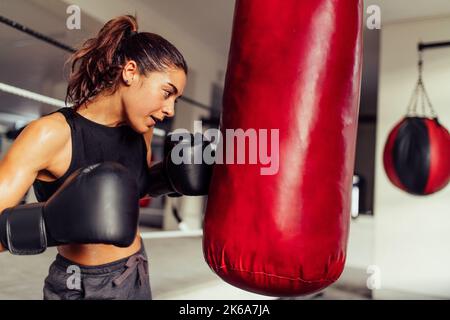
<point>428,101</point>
<point>420,95</point>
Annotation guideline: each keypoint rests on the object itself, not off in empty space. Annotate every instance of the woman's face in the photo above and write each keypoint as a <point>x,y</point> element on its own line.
<point>149,99</point>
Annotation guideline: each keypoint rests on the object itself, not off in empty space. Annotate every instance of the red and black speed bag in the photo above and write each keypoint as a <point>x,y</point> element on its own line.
<point>417,155</point>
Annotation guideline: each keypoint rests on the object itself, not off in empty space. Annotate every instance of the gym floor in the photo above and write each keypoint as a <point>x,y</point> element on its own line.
<point>177,271</point>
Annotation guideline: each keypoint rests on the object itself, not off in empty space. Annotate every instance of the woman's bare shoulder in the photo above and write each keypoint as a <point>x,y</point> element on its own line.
<point>41,139</point>
<point>52,128</point>
<point>32,151</point>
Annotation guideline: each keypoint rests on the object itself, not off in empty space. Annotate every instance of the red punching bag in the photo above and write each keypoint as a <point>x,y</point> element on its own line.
<point>144,202</point>
<point>416,156</point>
<point>295,66</point>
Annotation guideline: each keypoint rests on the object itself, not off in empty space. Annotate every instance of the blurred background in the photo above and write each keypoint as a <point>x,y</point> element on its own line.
<point>399,245</point>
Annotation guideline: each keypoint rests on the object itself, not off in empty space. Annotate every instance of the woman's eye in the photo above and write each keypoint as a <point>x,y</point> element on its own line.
<point>167,94</point>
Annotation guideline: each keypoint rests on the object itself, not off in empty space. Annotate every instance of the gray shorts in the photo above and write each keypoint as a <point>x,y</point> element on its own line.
<point>124,279</point>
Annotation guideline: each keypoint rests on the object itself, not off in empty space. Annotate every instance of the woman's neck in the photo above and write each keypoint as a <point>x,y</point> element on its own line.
<point>106,110</point>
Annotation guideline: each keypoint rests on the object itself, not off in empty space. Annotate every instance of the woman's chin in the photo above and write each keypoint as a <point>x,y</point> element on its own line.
<point>139,127</point>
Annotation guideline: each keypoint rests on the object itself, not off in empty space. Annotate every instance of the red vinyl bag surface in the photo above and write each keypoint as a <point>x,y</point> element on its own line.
<point>294,65</point>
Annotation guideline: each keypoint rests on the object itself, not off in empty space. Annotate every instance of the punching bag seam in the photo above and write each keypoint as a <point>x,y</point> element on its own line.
<point>275,276</point>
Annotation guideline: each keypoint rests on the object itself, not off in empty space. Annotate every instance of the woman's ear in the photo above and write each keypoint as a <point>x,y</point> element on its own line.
<point>130,72</point>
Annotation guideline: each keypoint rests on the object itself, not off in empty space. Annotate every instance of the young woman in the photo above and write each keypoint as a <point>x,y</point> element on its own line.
<point>122,83</point>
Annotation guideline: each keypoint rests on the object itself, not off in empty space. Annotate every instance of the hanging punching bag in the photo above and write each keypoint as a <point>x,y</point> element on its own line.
<point>417,155</point>
<point>295,66</point>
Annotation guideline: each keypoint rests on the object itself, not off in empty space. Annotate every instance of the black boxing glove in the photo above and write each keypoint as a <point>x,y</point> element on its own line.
<point>183,170</point>
<point>96,204</point>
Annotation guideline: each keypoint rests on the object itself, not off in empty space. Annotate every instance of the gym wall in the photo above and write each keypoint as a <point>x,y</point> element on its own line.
<point>411,233</point>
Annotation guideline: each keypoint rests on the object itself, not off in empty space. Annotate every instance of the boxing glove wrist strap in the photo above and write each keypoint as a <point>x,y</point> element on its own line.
<point>159,183</point>
<point>22,229</point>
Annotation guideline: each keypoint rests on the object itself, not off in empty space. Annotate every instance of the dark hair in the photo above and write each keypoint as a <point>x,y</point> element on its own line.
<point>98,64</point>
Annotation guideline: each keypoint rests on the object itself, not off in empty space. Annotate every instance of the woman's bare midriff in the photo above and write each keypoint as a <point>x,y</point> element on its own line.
<point>97,254</point>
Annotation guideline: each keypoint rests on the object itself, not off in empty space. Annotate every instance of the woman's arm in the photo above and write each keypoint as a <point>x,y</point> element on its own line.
<point>30,153</point>
<point>148,140</point>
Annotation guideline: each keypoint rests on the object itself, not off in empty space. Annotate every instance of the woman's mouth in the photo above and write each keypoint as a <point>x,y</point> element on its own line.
<point>154,120</point>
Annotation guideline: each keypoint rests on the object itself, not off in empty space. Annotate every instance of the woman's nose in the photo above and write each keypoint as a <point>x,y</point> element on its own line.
<point>169,110</point>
